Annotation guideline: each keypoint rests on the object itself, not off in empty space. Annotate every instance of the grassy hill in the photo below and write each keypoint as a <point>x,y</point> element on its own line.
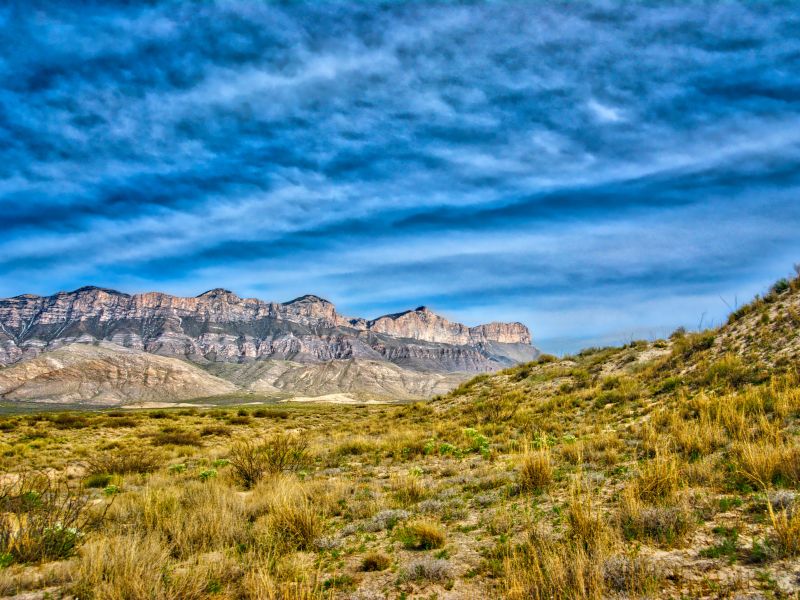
<point>659,469</point>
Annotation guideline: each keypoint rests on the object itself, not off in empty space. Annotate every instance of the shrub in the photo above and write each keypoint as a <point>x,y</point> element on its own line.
<point>631,575</point>
<point>587,528</point>
<point>122,567</point>
<point>422,535</point>
<point>121,422</point>
<point>97,480</point>
<point>386,519</point>
<point>70,421</point>
<point>428,569</point>
<point>123,461</point>
<point>131,567</point>
<point>176,437</point>
<point>536,470</point>
<point>251,461</point>
<point>42,518</point>
<point>375,561</point>
<point>765,463</point>
<point>666,525</point>
<point>218,430</point>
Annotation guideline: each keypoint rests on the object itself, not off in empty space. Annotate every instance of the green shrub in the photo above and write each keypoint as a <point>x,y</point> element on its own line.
<point>97,480</point>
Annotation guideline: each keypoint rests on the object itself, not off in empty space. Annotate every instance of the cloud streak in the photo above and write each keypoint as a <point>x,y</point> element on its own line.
<point>545,163</point>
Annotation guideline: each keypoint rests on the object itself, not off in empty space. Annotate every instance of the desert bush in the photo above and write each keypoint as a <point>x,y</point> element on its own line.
<point>120,422</point>
<point>264,583</point>
<point>695,438</point>
<point>218,430</point>
<point>353,447</point>
<point>176,437</point>
<point>631,575</point>
<point>536,470</point>
<point>665,525</point>
<point>97,480</point>
<point>386,519</point>
<point>730,370</point>
<point>587,528</point>
<point>422,535</point>
<point>251,461</point>
<point>375,561</point>
<point>427,569</point>
<point>70,421</point>
<point>124,461</point>
<point>122,568</point>
<point>43,518</point>
<point>572,452</point>
<point>132,567</point>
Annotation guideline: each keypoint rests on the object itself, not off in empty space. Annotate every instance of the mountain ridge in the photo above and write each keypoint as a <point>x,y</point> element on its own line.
<point>217,326</point>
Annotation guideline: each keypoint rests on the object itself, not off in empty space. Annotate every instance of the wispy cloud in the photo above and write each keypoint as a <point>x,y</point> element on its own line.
<point>593,169</point>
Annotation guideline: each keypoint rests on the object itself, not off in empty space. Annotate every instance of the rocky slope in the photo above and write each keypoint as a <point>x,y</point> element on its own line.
<point>105,375</point>
<point>314,347</point>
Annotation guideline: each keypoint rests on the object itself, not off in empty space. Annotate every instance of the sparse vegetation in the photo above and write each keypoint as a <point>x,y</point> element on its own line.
<point>664,469</point>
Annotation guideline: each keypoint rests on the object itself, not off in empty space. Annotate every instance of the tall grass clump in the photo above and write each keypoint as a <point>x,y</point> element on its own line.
<point>536,470</point>
<point>252,461</point>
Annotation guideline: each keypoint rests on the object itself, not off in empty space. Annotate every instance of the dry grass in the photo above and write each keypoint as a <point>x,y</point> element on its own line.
<point>423,535</point>
<point>290,517</point>
<point>536,470</point>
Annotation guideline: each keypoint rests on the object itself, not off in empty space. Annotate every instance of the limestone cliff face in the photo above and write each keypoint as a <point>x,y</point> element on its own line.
<point>219,326</point>
<point>422,324</point>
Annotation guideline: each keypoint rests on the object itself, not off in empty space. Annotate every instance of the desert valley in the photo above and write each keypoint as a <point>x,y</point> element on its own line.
<point>664,468</point>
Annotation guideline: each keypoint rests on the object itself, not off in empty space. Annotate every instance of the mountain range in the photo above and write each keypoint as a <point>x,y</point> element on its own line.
<point>104,347</point>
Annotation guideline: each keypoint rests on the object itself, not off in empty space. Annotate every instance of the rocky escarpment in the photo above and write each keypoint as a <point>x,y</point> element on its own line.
<point>422,324</point>
<point>219,326</point>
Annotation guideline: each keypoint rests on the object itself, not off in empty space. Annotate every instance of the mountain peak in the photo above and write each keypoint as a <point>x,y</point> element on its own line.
<point>216,293</point>
<point>309,298</point>
<point>94,288</point>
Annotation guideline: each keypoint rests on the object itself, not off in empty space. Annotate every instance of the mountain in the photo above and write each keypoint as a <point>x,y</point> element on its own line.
<point>302,346</point>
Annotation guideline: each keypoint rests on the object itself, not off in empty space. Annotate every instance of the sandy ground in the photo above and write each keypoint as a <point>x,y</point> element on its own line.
<point>332,399</point>
<point>165,405</point>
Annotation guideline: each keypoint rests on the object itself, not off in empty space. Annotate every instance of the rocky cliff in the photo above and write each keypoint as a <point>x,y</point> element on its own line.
<point>219,327</point>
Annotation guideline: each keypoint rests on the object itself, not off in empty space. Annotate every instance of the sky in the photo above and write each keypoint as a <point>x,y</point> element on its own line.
<point>600,171</point>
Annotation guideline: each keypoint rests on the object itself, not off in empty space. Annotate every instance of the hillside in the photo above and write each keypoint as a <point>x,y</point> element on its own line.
<point>665,469</point>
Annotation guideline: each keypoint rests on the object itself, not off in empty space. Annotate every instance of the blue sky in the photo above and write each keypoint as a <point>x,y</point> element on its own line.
<point>599,171</point>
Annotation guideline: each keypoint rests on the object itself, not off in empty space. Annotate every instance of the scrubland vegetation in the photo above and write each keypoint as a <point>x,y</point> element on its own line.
<point>660,469</point>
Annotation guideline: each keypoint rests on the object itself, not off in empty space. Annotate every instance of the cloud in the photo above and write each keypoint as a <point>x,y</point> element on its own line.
<point>546,163</point>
